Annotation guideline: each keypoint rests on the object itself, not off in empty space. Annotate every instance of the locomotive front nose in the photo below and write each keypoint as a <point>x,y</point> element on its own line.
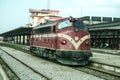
<point>73,57</point>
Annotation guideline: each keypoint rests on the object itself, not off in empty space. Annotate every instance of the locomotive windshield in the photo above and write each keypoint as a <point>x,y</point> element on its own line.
<point>65,24</point>
<point>68,23</point>
<point>79,24</point>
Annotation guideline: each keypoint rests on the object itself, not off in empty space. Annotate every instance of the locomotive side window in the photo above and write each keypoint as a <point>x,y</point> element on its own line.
<point>43,30</point>
<point>64,24</point>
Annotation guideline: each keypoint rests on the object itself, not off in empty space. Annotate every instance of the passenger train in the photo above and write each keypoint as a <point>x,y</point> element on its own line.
<point>66,41</point>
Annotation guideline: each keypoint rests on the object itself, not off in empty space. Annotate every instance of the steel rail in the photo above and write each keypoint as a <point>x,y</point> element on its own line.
<point>27,66</point>
<point>105,74</point>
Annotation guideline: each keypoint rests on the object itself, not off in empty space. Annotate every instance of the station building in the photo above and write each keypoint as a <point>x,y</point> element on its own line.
<point>42,16</point>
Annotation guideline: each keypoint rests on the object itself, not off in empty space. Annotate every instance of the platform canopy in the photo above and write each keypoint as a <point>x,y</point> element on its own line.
<point>17,32</point>
<point>105,26</point>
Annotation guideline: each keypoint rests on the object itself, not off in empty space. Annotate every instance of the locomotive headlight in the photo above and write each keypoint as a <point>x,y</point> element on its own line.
<point>76,30</point>
<point>63,42</point>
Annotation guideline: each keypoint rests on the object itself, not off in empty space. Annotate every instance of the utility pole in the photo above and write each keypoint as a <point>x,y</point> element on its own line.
<point>81,7</point>
<point>48,4</point>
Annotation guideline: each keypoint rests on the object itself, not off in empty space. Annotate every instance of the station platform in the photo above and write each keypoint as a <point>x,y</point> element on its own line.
<point>109,59</point>
<point>106,61</point>
<point>106,51</point>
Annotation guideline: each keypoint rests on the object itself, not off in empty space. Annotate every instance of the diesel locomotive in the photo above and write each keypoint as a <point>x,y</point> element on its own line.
<point>66,40</point>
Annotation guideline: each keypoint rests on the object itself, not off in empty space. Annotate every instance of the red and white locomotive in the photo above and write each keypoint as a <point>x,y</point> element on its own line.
<point>66,41</point>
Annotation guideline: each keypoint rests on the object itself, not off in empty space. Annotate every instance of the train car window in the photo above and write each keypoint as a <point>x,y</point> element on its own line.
<point>43,30</point>
<point>79,24</point>
<point>65,24</point>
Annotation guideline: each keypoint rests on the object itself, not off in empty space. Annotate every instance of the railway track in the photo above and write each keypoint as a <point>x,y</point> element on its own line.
<point>95,69</point>
<point>105,74</point>
<point>30,68</point>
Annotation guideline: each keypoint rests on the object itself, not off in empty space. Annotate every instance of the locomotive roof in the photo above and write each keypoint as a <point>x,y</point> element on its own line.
<point>50,23</point>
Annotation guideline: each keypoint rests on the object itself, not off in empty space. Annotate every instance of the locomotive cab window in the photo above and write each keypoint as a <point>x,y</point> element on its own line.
<point>79,24</point>
<point>64,24</point>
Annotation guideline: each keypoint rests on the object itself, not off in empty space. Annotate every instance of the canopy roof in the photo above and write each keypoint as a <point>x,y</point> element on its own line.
<point>17,32</point>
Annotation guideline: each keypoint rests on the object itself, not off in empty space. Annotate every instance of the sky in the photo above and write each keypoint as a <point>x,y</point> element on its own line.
<point>15,13</point>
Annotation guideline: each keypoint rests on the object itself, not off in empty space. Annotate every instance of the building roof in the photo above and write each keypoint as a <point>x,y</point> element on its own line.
<point>43,10</point>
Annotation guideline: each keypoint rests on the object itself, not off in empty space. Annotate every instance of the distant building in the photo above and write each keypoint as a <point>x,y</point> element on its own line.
<point>41,16</point>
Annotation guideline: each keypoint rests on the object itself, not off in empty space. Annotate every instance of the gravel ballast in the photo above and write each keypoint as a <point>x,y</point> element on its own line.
<point>23,72</point>
<point>48,68</point>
